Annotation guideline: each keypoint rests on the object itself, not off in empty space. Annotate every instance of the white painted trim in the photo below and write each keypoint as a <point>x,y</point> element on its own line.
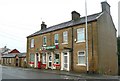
<point>52,67</point>
<point>68,68</point>
<point>68,61</point>
<point>35,64</point>
<point>46,60</point>
<point>38,57</point>
<point>61,60</point>
<point>65,43</point>
<point>81,64</point>
<point>80,41</point>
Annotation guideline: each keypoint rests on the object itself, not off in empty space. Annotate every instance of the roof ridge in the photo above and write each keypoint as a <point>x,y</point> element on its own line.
<point>66,24</point>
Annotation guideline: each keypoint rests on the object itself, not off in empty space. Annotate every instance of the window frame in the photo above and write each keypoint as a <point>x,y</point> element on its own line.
<point>55,39</point>
<point>44,41</point>
<point>55,58</point>
<point>80,33</point>
<point>33,57</point>
<point>65,34</point>
<point>78,56</point>
<point>32,43</point>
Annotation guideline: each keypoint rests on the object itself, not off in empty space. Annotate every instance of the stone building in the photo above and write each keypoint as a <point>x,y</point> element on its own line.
<point>63,46</point>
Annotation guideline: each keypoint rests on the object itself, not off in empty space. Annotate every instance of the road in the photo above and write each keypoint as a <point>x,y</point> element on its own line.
<point>23,73</point>
<point>27,73</point>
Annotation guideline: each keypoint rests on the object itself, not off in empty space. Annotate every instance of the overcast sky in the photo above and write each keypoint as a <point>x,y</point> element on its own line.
<point>20,18</point>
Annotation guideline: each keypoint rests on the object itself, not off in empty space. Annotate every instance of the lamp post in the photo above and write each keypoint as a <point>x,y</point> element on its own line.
<point>86,37</point>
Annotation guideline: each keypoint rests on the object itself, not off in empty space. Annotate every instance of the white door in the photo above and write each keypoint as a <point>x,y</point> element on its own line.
<point>36,60</point>
<point>49,61</point>
<point>65,61</point>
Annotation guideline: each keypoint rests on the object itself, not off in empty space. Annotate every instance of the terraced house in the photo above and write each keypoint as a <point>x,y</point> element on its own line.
<point>63,46</point>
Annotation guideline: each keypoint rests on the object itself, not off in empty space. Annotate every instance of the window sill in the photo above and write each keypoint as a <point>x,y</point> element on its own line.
<point>65,43</point>
<point>44,45</point>
<point>56,43</point>
<point>31,47</point>
<point>80,41</point>
<point>81,64</point>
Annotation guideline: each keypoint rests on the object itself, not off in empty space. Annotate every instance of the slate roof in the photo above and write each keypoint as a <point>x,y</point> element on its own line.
<point>71,23</point>
<point>13,55</point>
<point>9,56</point>
<point>21,55</point>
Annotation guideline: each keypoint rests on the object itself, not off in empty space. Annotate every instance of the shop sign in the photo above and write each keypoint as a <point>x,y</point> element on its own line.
<point>50,47</point>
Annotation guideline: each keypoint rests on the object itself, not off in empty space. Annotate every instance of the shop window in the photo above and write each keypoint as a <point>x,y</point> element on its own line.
<point>44,58</point>
<point>81,58</point>
<point>57,59</point>
<point>32,57</point>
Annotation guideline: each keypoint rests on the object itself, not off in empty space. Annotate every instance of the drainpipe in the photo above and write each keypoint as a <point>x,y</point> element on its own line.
<point>86,37</point>
<point>72,49</point>
<point>92,50</point>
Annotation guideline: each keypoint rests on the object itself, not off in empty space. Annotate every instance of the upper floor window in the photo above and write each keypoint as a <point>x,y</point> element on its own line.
<point>44,40</point>
<point>56,39</point>
<point>80,34</point>
<point>32,43</point>
<point>65,37</point>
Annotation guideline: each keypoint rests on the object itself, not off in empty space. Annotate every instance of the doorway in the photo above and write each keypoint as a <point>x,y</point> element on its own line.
<point>17,62</point>
<point>49,60</point>
<point>65,61</point>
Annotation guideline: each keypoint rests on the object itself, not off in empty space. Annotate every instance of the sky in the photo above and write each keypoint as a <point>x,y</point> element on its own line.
<point>20,18</point>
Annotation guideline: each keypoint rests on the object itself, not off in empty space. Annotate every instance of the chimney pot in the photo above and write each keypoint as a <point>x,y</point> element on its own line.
<point>75,15</point>
<point>105,7</point>
<point>43,25</point>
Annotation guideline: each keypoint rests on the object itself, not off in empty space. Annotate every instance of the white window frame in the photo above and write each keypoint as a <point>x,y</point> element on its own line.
<point>32,41</point>
<point>44,58</point>
<point>54,39</point>
<point>79,32</point>
<point>44,41</point>
<point>65,34</point>
<point>82,64</point>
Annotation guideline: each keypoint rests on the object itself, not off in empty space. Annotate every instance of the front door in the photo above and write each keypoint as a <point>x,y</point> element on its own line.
<point>65,58</point>
<point>49,60</point>
<point>17,62</point>
<point>36,60</point>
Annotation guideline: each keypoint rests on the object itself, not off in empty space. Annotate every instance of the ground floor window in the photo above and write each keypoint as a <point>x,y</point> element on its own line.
<point>56,59</point>
<point>81,58</point>
<point>44,58</point>
<point>32,57</point>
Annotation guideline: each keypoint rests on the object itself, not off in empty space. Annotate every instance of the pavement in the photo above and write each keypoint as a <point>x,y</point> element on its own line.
<point>70,73</point>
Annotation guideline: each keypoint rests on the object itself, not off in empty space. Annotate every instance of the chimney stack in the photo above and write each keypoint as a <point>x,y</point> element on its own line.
<point>105,7</point>
<point>43,25</point>
<point>75,15</point>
